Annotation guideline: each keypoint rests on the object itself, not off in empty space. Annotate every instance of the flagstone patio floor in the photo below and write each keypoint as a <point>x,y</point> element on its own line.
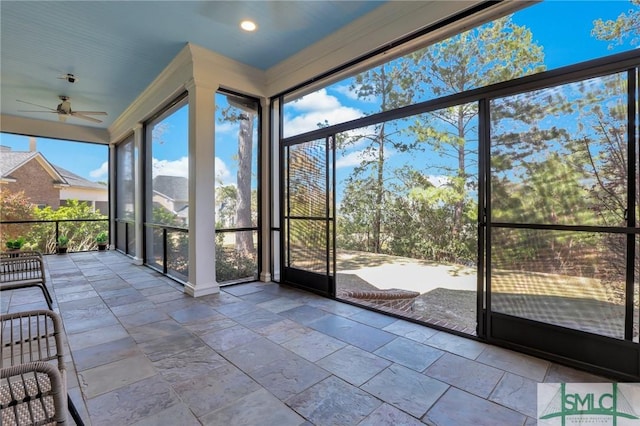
<point>141,352</point>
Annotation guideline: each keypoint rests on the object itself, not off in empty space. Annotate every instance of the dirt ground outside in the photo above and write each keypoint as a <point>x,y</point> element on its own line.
<point>448,292</point>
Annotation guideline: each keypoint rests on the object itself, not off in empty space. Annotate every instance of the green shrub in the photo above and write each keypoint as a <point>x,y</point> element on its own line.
<point>101,238</point>
<point>63,241</point>
<point>15,244</point>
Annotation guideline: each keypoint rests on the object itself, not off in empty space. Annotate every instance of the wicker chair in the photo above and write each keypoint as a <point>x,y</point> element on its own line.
<point>23,270</point>
<point>32,394</point>
<point>30,339</point>
<point>19,253</point>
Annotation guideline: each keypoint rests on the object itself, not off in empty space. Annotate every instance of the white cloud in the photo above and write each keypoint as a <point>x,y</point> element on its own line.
<point>222,173</point>
<point>350,160</point>
<point>180,167</point>
<point>355,158</point>
<point>438,180</point>
<point>316,101</point>
<point>316,108</point>
<point>226,127</point>
<point>100,172</point>
<point>352,94</point>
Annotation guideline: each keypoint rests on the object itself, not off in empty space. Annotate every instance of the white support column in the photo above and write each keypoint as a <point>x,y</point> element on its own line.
<point>265,273</point>
<point>113,161</point>
<point>274,188</point>
<point>202,222</point>
<point>138,143</point>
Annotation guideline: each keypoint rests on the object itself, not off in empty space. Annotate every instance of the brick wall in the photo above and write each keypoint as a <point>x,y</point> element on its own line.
<point>36,183</point>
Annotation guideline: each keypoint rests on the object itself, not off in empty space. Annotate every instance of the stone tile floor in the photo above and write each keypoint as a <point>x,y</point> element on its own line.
<point>143,353</point>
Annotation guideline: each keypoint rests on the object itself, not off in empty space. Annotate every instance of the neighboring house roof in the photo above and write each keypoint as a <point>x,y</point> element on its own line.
<point>172,187</point>
<point>183,212</point>
<point>10,161</point>
<point>78,181</point>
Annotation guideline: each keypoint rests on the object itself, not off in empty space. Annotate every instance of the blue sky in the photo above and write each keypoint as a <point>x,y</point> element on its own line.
<point>562,27</point>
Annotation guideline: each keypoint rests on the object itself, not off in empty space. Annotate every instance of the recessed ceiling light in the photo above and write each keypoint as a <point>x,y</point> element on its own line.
<point>248,25</point>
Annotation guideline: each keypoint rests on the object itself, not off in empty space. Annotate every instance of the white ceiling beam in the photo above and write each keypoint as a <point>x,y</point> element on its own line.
<point>52,129</point>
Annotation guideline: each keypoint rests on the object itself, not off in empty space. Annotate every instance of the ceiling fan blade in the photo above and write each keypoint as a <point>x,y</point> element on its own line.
<point>26,110</point>
<point>90,112</point>
<point>85,117</point>
<point>41,106</point>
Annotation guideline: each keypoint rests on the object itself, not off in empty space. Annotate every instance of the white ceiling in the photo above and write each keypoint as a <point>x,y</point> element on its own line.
<point>116,48</point>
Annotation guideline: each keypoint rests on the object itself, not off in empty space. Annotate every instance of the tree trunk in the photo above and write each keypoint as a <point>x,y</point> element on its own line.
<point>244,240</point>
<point>459,205</point>
<point>377,214</point>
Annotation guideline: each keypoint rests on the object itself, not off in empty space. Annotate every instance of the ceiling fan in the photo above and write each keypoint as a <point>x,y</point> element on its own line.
<point>64,110</point>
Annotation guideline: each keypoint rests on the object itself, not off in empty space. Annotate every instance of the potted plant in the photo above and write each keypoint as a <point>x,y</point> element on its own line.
<point>63,241</point>
<point>14,244</point>
<point>101,239</point>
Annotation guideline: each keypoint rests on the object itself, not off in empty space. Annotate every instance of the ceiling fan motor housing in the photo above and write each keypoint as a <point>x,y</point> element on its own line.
<point>65,106</point>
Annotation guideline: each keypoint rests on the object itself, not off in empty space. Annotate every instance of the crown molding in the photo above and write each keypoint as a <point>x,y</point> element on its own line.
<point>213,70</point>
<point>192,65</point>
